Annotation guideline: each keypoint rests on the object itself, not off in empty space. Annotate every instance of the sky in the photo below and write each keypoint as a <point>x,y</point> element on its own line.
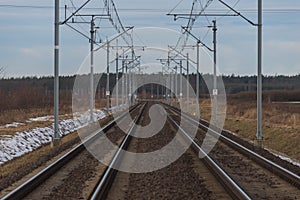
<point>27,34</point>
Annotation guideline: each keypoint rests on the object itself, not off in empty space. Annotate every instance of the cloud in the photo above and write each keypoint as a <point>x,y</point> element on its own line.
<point>282,57</point>
<point>30,52</point>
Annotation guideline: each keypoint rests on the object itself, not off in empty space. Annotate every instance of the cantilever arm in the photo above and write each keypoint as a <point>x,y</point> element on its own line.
<point>238,13</point>
<point>198,40</point>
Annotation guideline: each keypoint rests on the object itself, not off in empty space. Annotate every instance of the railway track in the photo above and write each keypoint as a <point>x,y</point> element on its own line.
<point>52,182</point>
<point>110,172</point>
<point>187,177</point>
<point>229,171</point>
<point>258,176</point>
<point>231,186</point>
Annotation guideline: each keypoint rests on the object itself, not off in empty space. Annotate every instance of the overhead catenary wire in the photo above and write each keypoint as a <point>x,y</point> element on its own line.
<point>229,11</point>
<point>159,10</point>
<point>116,22</point>
<point>219,18</point>
<point>99,22</point>
<point>77,24</point>
<point>183,35</point>
<point>191,21</point>
<point>203,8</point>
<point>76,13</point>
<point>175,6</point>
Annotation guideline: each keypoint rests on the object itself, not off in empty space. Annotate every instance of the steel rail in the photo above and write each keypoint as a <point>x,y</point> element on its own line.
<point>229,184</point>
<point>32,183</point>
<point>103,186</point>
<point>273,167</point>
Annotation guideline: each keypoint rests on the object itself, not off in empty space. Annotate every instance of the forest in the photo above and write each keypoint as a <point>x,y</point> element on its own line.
<point>37,92</point>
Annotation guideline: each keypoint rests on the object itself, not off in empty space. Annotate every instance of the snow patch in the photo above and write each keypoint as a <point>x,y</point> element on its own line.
<point>14,125</point>
<point>290,160</point>
<point>41,119</point>
<point>27,141</point>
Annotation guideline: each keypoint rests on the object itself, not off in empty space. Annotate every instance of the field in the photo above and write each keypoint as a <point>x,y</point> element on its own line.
<point>17,120</point>
<point>281,127</point>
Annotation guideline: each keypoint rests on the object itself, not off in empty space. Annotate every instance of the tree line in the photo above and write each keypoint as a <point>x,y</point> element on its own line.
<point>36,92</point>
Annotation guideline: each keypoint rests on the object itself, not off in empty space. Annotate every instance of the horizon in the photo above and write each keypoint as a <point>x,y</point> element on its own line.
<point>112,73</point>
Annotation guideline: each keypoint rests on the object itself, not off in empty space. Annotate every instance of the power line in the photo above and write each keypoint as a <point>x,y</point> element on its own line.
<point>26,6</point>
<point>192,17</point>
<point>176,6</point>
<point>160,10</point>
<point>83,29</point>
<point>236,3</point>
<point>203,8</point>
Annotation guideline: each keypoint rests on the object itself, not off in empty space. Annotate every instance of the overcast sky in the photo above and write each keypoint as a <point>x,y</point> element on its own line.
<point>26,47</point>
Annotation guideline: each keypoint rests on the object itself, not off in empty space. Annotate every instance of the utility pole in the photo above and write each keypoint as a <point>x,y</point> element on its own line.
<point>130,92</point>
<point>259,135</point>
<point>176,85</point>
<point>187,85</point>
<point>180,83</point>
<point>132,87</point>
<point>157,92</point>
<point>215,90</point>
<point>56,136</point>
<point>92,72</point>
<point>107,79</point>
<point>126,84</point>
<point>151,91</point>
<point>123,77</point>
<point>170,90</point>
<point>117,78</point>
<point>171,85</point>
<point>198,81</point>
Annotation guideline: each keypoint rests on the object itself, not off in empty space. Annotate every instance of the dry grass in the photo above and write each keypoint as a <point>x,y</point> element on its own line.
<point>281,127</point>
<point>22,115</point>
<point>29,125</point>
